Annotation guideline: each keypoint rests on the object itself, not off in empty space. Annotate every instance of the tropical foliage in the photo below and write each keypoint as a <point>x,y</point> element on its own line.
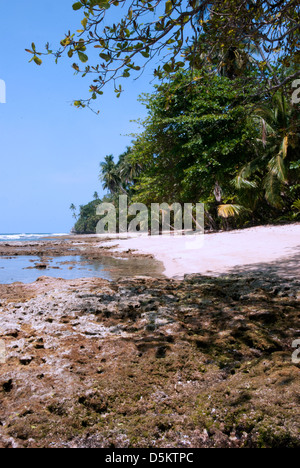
<point>202,143</point>
<point>87,218</point>
<point>117,38</point>
<point>223,121</point>
<point>277,152</point>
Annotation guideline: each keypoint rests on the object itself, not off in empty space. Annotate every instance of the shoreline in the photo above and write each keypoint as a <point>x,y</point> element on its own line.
<point>262,249</point>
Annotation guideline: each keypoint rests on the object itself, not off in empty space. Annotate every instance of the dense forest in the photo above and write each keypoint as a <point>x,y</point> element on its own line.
<point>223,122</point>
<point>207,140</point>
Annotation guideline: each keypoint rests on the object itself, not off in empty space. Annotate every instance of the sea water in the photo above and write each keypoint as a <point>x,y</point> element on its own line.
<point>23,268</point>
<point>26,237</point>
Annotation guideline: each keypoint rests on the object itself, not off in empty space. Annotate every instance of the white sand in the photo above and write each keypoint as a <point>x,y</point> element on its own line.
<point>266,249</point>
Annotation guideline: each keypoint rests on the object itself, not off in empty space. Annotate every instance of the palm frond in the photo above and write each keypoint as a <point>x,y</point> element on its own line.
<point>229,210</point>
<point>277,168</point>
<point>284,146</point>
<point>241,183</point>
<point>296,206</point>
<point>273,188</point>
<point>266,128</point>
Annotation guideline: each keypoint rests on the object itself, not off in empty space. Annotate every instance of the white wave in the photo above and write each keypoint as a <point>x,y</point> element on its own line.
<point>59,234</point>
<point>24,237</point>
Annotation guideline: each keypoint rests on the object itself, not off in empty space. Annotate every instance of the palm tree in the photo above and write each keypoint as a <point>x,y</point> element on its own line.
<point>109,175</point>
<point>276,148</point>
<point>73,209</point>
<point>129,170</point>
<point>119,177</point>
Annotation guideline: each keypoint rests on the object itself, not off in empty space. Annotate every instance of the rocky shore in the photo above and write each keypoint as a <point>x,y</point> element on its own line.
<point>89,246</point>
<point>149,362</point>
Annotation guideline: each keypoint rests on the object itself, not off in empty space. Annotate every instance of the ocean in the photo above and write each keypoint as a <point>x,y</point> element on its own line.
<point>27,237</point>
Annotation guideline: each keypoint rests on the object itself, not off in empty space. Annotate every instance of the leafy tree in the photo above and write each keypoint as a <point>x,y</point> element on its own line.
<point>196,138</point>
<point>87,220</point>
<point>202,144</point>
<point>191,33</point>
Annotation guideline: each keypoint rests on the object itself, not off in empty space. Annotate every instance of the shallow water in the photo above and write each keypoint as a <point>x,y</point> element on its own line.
<point>22,268</point>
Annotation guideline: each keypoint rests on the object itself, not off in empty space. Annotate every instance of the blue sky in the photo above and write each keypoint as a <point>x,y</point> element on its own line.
<point>50,151</point>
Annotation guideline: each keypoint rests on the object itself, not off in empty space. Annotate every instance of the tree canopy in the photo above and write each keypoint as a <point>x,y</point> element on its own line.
<point>200,143</point>
<point>195,34</point>
<point>223,122</point>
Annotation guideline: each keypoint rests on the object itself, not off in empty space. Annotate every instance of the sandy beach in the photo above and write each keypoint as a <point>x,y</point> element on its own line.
<point>264,248</point>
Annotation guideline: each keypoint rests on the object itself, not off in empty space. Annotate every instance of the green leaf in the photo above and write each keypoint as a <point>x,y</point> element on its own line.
<point>105,57</point>
<point>167,67</point>
<point>83,57</point>
<point>37,60</point>
<point>77,6</point>
<point>169,6</point>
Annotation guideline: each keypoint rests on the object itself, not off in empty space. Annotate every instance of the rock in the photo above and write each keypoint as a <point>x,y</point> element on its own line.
<point>149,362</point>
<point>41,266</point>
<point>7,386</point>
<point>26,360</point>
